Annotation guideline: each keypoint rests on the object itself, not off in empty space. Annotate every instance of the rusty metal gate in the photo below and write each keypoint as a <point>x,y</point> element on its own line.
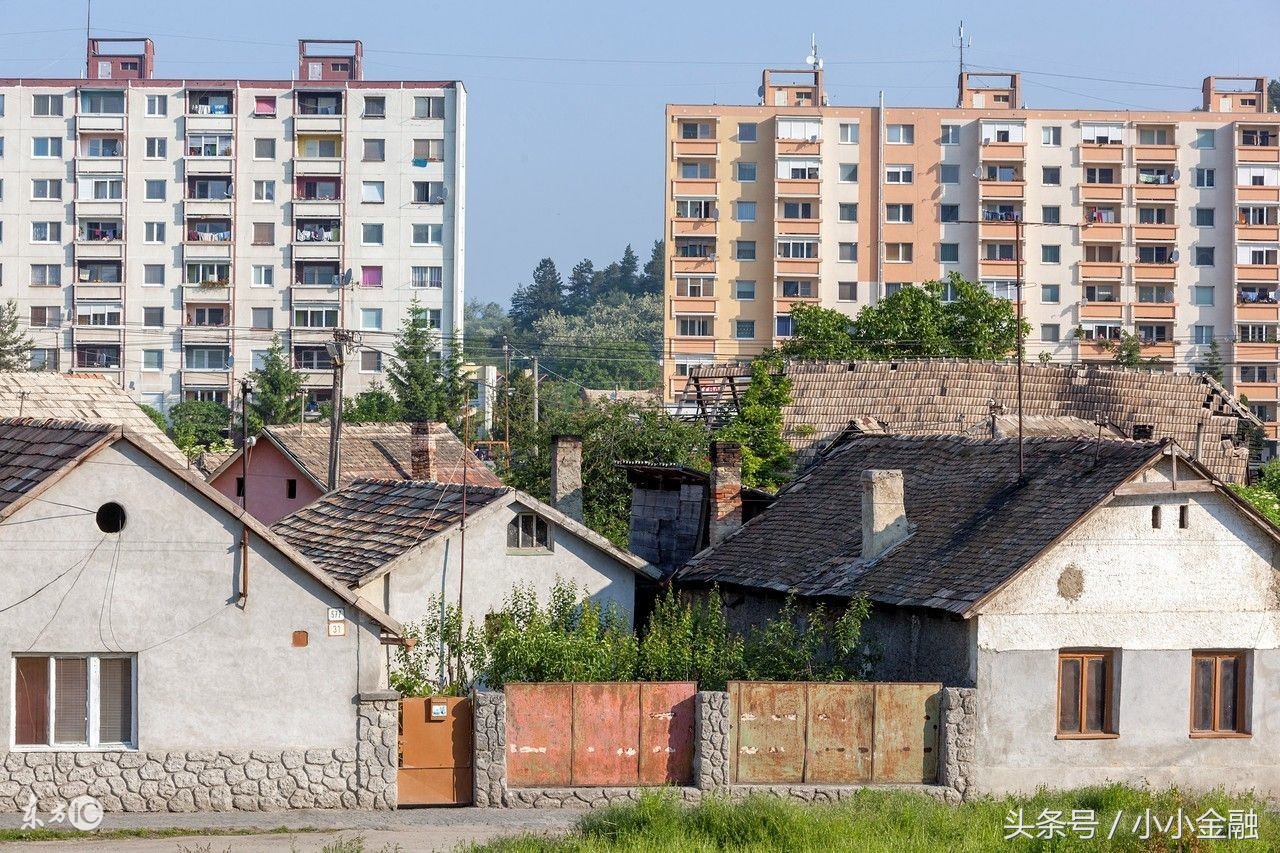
<point>820,733</point>
<point>435,752</point>
<point>602,734</point>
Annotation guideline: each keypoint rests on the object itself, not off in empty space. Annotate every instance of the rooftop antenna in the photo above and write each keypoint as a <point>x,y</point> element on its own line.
<point>88,19</point>
<point>962,44</point>
<point>813,60</point>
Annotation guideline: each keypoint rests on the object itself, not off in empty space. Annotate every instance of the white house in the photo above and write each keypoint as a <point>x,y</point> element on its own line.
<point>167,651</point>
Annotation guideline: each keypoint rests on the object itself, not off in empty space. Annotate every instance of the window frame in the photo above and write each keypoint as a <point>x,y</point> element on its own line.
<point>1243,676</point>
<point>1110,730</point>
<point>518,524</point>
<point>93,721</point>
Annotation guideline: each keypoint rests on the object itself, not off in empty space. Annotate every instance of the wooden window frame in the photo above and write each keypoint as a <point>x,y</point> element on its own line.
<point>1109,730</point>
<point>1242,679</point>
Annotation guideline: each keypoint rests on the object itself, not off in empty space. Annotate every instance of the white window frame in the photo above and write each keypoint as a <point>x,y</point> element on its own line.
<point>951,134</point>
<point>157,105</point>
<point>264,275</point>
<point>905,133</point>
<point>94,705</point>
<point>153,232</point>
<point>849,133</point>
<point>899,174</point>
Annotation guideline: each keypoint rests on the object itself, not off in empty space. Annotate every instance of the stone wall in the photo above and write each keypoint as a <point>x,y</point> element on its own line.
<point>711,741</point>
<point>359,776</point>
<point>957,738</point>
<point>489,712</point>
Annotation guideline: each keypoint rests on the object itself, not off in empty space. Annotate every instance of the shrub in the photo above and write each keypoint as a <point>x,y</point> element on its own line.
<point>690,642</point>
<point>441,661</point>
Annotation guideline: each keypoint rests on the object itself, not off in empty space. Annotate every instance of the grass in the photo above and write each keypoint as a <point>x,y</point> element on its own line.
<point>877,820</point>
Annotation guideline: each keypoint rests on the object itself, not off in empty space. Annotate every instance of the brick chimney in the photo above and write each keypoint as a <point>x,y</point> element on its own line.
<point>566,475</point>
<point>884,515</point>
<point>726,490</point>
<point>422,452</point>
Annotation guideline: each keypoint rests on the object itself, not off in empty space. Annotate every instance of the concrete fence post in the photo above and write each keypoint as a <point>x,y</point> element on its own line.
<point>957,739</point>
<point>711,739</point>
<point>489,710</point>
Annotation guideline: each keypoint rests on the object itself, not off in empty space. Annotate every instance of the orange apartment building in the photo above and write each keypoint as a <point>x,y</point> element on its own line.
<point>1162,224</point>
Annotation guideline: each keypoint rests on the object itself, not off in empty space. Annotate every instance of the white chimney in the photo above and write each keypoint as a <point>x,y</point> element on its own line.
<point>884,515</point>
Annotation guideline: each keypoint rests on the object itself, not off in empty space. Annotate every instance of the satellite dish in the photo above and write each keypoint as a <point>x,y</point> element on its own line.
<point>977,173</point>
<point>346,278</point>
<point>1173,256</point>
<point>1175,174</point>
<point>715,213</point>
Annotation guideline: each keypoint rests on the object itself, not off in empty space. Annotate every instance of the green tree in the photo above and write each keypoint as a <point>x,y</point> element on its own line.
<point>1213,360</point>
<point>628,272</point>
<point>917,322</point>
<point>690,641</point>
<point>428,387</point>
<point>1273,96</point>
<point>15,344</point>
<point>157,417</point>
<point>200,425</point>
<point>608,344</point>
<point>486,324</point>
<point>1264,493</point>
<point>583,283</point>
<point>655,268</point>
<point>545,294</point>
<point>376,404</point>
<point>277,389</point>
<point>819,334</point>
<point>757,426</point>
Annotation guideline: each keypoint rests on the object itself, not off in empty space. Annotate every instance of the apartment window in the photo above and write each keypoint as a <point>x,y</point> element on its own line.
<point>153,360</point>
<point>849,173</point>
<point>797,248</point>
<point>745,173</point>
<point>153,232</point>
<point>375,150</point>
<point>264,190</point>
<point>264,149</point>
<point>264,106</point>
<point>371,276</point>
<point>893,287</point>
<point>783,327</point>
<point>157,148</point>
<point>746,131</point>
<point>1051,176</point>
<point>744,211</point>
<point>314,148</point>
<point>370,362</point>
<point>1050,254</point>
<point>898,253</point>
<point>693,327</point>
<point>373,192</point>
<point>1050,333</point>
<point>1256,333</point>
<point>375,106</point>
<point>1204,217</point>
<point>105,146</point>
<point>849,133</point>
<point>1085,690</point>
<point>46,105</point>
<point>428,192</point>
<point>427,234</point>
<point>743,289</point>
<point>848,251</point>
<point>429,150</point>
<point>1202,177</point>
<point>371,319</point>
<point>797,210</point>
<point>898,174</point>
<point>949,253</point>
<point>46,275</point>
<point>315,318</point>
<point>900,134</point>
<point>46,146</point>
<point>98,315</point>
<point>154,190</point>
<point>798,289</point>
<point>948,174</point>
<point>1202,295</point>
<point>1204,256</point>
<point>1218,693</point>
<point>847,291</point>
<point>44,359</point>
<point>153,275</point>
<point>1049,294</point>
<point>745,250</point>
<point>263,276</point>
<point>431,277</point>
<point>948,213</point>
<point>898,212</point>
<point>206,358</point>
<point>46,188</point>
<point>744,330</point>
<point>264,233</point>
<point>46,232</point>
<point>371,234</point>
<point>261,318</point>
<point>46,316</point>
<point>157,105</point>
<point>848,211</point>
<point>431,106</point>
<point>74,700</point>
<point>1051,136</point>
<point>1202,335</point>
<point>1204,138</point>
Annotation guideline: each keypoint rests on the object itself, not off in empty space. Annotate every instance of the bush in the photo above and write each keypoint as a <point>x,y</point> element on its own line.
<point>690,642</point>
<point>442,658</point>
<point>798,646</point>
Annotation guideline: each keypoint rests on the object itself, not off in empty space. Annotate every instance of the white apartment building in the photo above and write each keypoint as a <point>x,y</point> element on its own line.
<point>162,232</point>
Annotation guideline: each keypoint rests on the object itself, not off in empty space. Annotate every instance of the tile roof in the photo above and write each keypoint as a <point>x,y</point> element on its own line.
<point>975,525</point>
<point>948,396</point>
<point>81,397</point>
<point>378,451</point>
<point>362,526</point>
<point>34,450</point>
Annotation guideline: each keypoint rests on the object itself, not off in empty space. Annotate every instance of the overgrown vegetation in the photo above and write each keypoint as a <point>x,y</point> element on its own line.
<point>569,637</point>
<point>1264,493</point>
<point>757,425</point>
<point>877,820</point>
<point>15,344</point>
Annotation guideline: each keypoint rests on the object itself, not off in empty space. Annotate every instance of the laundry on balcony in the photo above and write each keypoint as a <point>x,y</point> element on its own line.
<point>1156,178</point>
<point>317,235</point>
<point>1100,215</point>
<point>209,236</point>
<point>101,234</point>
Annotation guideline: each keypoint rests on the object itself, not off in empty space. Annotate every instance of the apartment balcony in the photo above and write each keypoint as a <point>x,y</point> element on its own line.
<point>221,166</point>
<point>1262,194</point>
<point>1153,310</point>
<point>1158,349</point>
<point>1102,232</point>
<point>1093,152</point>
<point>1101,269</point>
<point>1256,351</point>
<point>113,123</point>
<point>317,124</point>
<point>318,208</point>
<point>1003,152</point>
<point>206,335</point>
<point>1257,312</point>
<point>694,148</point>
<point>811,148</point>
<point>1155,233</point>
<point>695,187</point>
<point>693,266</point>
<point>1257,272</point>
<point>694,227</point>
<point>309,336</point>
<point>88,166</point>
<point>1101,310</point>
<point>693,346</point>
<point>1257,154</point>
<point>1155,272</point>
<point>1258,233</point>
<point>213,292</point>
<point>797,266</point>
<point>1155,153</point>
<point>797,187</point>
<point>99,208</point>
<point>988,268</point>
<point>201,207</point>
<point>210,123</point>
<point>798,226</point>
<point>1101,193</point>
<point>310,251</point>
<point>213,250</point>
<point>96,335</point>
<point>1001,189</point>
<point>99,250</point>
<point>194,378</point>
<point>92,292</point>
<point>317,165</point>
<point>1257,392</point>
<point>313,292</point>
<point>1095,350</point>
<point>996,229</point>
<point>693,305</point>
<point>1155,192</point>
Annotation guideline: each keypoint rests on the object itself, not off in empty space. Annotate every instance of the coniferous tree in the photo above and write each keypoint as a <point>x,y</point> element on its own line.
<point>655,268</point>
<point>15,344</point>
<point>427,386</point>
<point>628,271</point>
<point>582,286</point>
<point>277,389</point>
<point>544,294</point>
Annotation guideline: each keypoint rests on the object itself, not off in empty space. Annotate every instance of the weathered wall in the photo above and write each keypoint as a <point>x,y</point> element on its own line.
<point>666,524</point>
<point>1153,595</point>
<point>921,645</point>
<point>211,676</point>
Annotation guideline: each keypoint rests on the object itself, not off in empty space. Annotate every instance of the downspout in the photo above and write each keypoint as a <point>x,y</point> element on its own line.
<point>879,199</point>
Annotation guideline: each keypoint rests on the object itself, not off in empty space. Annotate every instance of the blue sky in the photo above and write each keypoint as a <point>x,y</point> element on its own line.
<point>566,98</point>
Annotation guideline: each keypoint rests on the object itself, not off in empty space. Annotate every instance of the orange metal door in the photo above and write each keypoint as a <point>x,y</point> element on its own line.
<point>435,752</point>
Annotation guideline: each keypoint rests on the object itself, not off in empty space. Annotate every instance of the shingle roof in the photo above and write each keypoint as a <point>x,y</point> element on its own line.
<point>946,396</point>
<point>974,524</point>
<point>357,529</point>
<point>33,450</point>
<point>377,451</point>
<point>81,397</point>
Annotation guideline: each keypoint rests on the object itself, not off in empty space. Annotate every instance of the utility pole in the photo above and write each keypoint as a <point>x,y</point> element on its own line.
<point>462,530</point>
<point>506,393</point>
<point>1017,258</point>
<point>244,443</point>
<point>343,342</point>
<point>535,391</point>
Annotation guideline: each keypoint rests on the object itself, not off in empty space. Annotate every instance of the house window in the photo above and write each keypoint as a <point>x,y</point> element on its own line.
<point>46,105</point>
<point>264,190</point>
<point>46,275</point>
<point>157,105</point>
<point>951,134</point>
<point>153,232</point>
<point>893,213</point>
<point>1050,333</point>
<point>291,488</point>
<point>153,316</point>
<point>427,192</point>
<point>1050,294</point>
<point>898,253</point>
<point>1050,214</point>
<point>1203,177</point>
<point>1204,217</point>
<point>848,251</point>
<point>745,250</point>
<point>264,233</point>
<point>1202,335</point>
<point>949,174</point>
<point>848,173</point>
<point>1204,256</point>
<point>746,172</point>
<point>528,532</point>
<point>370,361</point>
<point>370,318</point>
<point>74,700</point>
<point>373,192</point>
<point>898,174</point>
<point>46,146</point>
<point>746,131</point>
<point>431,150</point>
<point>152,274</point>
<point>744,211</point>
<point>849,133</point>
<point>695,287</point>
<point>428,107</point>
<point>743,289</point>
<point>1051,136</point>
<point>1218,693</point>
<point>1085,688</point>
<point>157,148</point>
<point>1184,513</point>
<point>783,327</point>
<point>432,277</point>
<point>948,213</point>
<point>949,253</point>
<point>848,212</point>
<point>847,291</point>
<point>1051,176</point>
<point>1155,510</point>
<point>371,234</point>
<point>375,106</point>
<point>261,318</point>
<point>1204,138</point>
<point>1202,294</point>
<point>693,327</point>
<point>263,276</point>
<point>425,234</point>
<point>154,190</point>
<point>152,360</point>
<point>1050,254</point>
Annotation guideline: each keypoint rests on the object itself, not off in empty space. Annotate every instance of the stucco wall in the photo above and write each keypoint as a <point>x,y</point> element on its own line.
<point>492,571</point>
<point>211,675</point>
<point>267,492</point>
<point>1154,595</point>
<point>921,645</point>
